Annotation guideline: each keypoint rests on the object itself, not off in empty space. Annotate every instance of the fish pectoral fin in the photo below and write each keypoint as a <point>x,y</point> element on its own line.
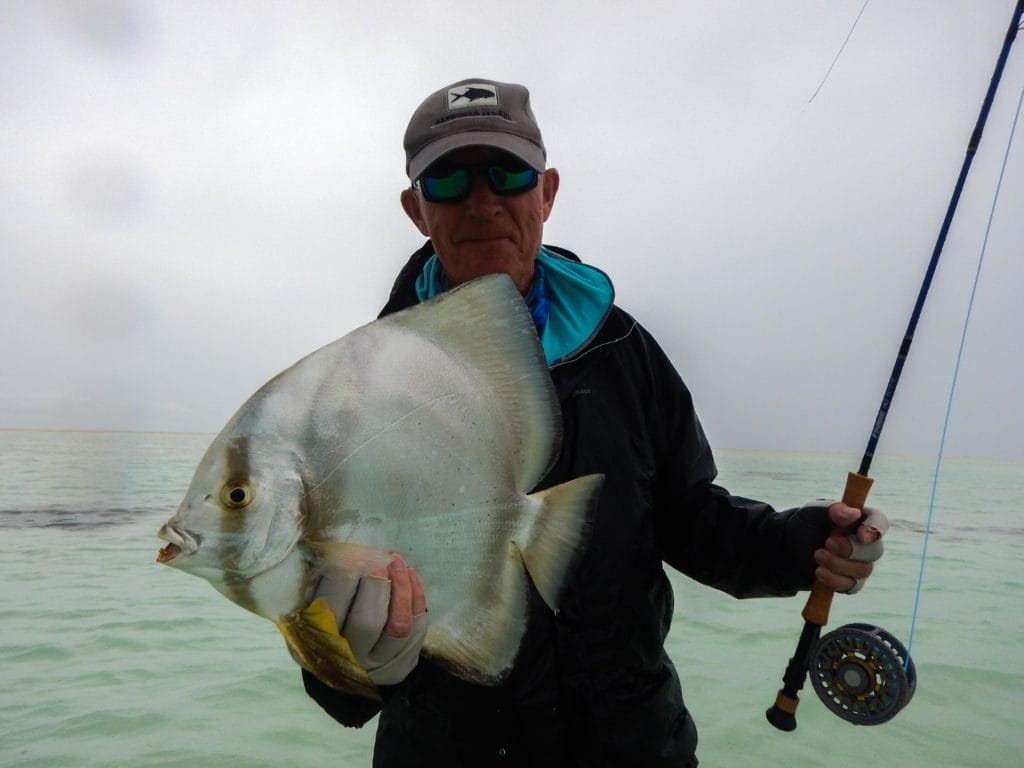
<point>351,558</point>
<point>314,641</point>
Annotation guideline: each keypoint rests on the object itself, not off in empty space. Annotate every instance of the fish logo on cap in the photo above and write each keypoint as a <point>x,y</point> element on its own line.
<point>472,95</point>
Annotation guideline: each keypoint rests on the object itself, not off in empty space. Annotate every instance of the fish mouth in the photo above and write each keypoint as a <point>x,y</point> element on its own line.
<point>180,543</point>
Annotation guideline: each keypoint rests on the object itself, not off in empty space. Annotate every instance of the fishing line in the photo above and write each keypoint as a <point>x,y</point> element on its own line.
<point>848,36</point>
<point>956,374</point>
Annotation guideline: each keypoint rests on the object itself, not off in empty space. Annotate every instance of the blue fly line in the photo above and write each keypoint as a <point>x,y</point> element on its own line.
<point>956,373</point>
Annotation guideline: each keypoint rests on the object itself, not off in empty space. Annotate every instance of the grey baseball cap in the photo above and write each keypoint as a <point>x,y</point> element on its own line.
<point>473,113</point>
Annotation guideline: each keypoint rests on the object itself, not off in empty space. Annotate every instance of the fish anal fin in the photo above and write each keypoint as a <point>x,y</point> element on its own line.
<point>478,640</point>
<point>557,532</point>
<point>314,642</point>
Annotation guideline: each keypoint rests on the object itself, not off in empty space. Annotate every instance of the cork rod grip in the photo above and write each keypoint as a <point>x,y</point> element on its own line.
<point>820,600</point>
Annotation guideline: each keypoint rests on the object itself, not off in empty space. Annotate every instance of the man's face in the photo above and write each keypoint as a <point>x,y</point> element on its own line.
<point>486,233</point>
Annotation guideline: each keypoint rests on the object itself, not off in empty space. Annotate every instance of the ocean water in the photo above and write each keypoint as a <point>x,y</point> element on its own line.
<point>108,659</point>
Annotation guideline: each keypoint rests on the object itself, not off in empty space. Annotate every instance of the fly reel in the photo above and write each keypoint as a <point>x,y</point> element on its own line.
<point>862,673</point>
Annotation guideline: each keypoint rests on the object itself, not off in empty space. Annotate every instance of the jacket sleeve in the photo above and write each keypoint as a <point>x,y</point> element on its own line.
<point>352,711</point>
<point>741,546</point>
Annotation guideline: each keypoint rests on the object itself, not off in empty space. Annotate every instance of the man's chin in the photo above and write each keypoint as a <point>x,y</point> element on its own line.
<point>522,274</point>
<point>489,248</point>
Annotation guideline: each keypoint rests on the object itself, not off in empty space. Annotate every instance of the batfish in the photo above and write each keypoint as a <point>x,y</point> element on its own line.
<point>422,433</point>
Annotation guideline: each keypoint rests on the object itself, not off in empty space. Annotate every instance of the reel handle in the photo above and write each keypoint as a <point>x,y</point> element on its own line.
<point>782,714</point>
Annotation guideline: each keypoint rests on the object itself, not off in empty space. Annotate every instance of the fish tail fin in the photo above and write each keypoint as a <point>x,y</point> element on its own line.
<point>557,532</point>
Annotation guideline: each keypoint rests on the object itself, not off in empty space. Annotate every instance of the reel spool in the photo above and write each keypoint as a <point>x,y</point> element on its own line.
<point>862,673</point>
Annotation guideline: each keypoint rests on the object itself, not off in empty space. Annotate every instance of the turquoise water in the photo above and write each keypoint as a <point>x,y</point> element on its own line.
<point>107,659</point>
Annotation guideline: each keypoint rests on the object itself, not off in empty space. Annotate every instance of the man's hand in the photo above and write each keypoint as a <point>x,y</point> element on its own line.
<point>383,616</point>
<point>847,558</point>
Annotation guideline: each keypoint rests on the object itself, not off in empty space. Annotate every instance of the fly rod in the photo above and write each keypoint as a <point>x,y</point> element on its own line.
<point>861,672</point>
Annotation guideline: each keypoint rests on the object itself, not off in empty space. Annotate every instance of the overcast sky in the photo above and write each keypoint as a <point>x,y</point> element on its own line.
<point>193,195</point>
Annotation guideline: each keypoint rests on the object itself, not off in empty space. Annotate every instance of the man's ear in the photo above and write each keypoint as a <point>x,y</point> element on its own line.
<point>411,206</point>
<point>549,185</point>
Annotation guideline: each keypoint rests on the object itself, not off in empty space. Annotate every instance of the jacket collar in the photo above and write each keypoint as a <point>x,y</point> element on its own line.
<point>581,298</point>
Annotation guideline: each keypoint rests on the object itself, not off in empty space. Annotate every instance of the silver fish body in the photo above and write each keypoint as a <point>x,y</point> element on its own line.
<point>420,433</point>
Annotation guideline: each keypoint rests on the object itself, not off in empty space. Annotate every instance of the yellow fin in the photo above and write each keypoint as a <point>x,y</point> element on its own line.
<point>313,639</point>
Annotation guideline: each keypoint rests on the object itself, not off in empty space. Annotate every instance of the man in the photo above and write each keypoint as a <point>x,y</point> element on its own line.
<point>592,684</point>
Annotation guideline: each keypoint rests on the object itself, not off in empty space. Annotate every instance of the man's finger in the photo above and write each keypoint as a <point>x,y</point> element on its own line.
<point>419,597</point>
<point>368,614</point>
<point>855,587</point>
<point>400,610</point>
<point>835,570</point>
<point>865,553</point>
<point>873,526</point>
<point>393,658</point>
<point>843,515</point>
<point>339,588</point>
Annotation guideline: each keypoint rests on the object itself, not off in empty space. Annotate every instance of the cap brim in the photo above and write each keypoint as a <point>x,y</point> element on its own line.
<point>522,148</point>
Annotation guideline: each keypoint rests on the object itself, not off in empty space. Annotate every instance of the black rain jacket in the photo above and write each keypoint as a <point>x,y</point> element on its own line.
<point>592,685</point>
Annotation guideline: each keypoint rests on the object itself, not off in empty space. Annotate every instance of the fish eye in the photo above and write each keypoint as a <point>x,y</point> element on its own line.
<point>236,495</point>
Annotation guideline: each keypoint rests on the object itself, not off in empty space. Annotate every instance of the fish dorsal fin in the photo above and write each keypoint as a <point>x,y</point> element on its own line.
<point>485,324</point>
<point>445,405</point>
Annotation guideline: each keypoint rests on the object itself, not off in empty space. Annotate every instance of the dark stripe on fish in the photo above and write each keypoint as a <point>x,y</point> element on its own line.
<point>233,521</point>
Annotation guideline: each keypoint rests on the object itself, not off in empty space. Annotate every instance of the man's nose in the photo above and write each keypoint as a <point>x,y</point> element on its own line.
<point>481,195</point>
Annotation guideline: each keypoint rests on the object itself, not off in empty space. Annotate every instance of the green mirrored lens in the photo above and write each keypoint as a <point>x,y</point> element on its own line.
<point>449,187</point>
<point>504,180</point>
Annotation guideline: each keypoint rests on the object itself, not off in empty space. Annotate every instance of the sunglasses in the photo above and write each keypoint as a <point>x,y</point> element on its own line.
<point>447,183</point>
